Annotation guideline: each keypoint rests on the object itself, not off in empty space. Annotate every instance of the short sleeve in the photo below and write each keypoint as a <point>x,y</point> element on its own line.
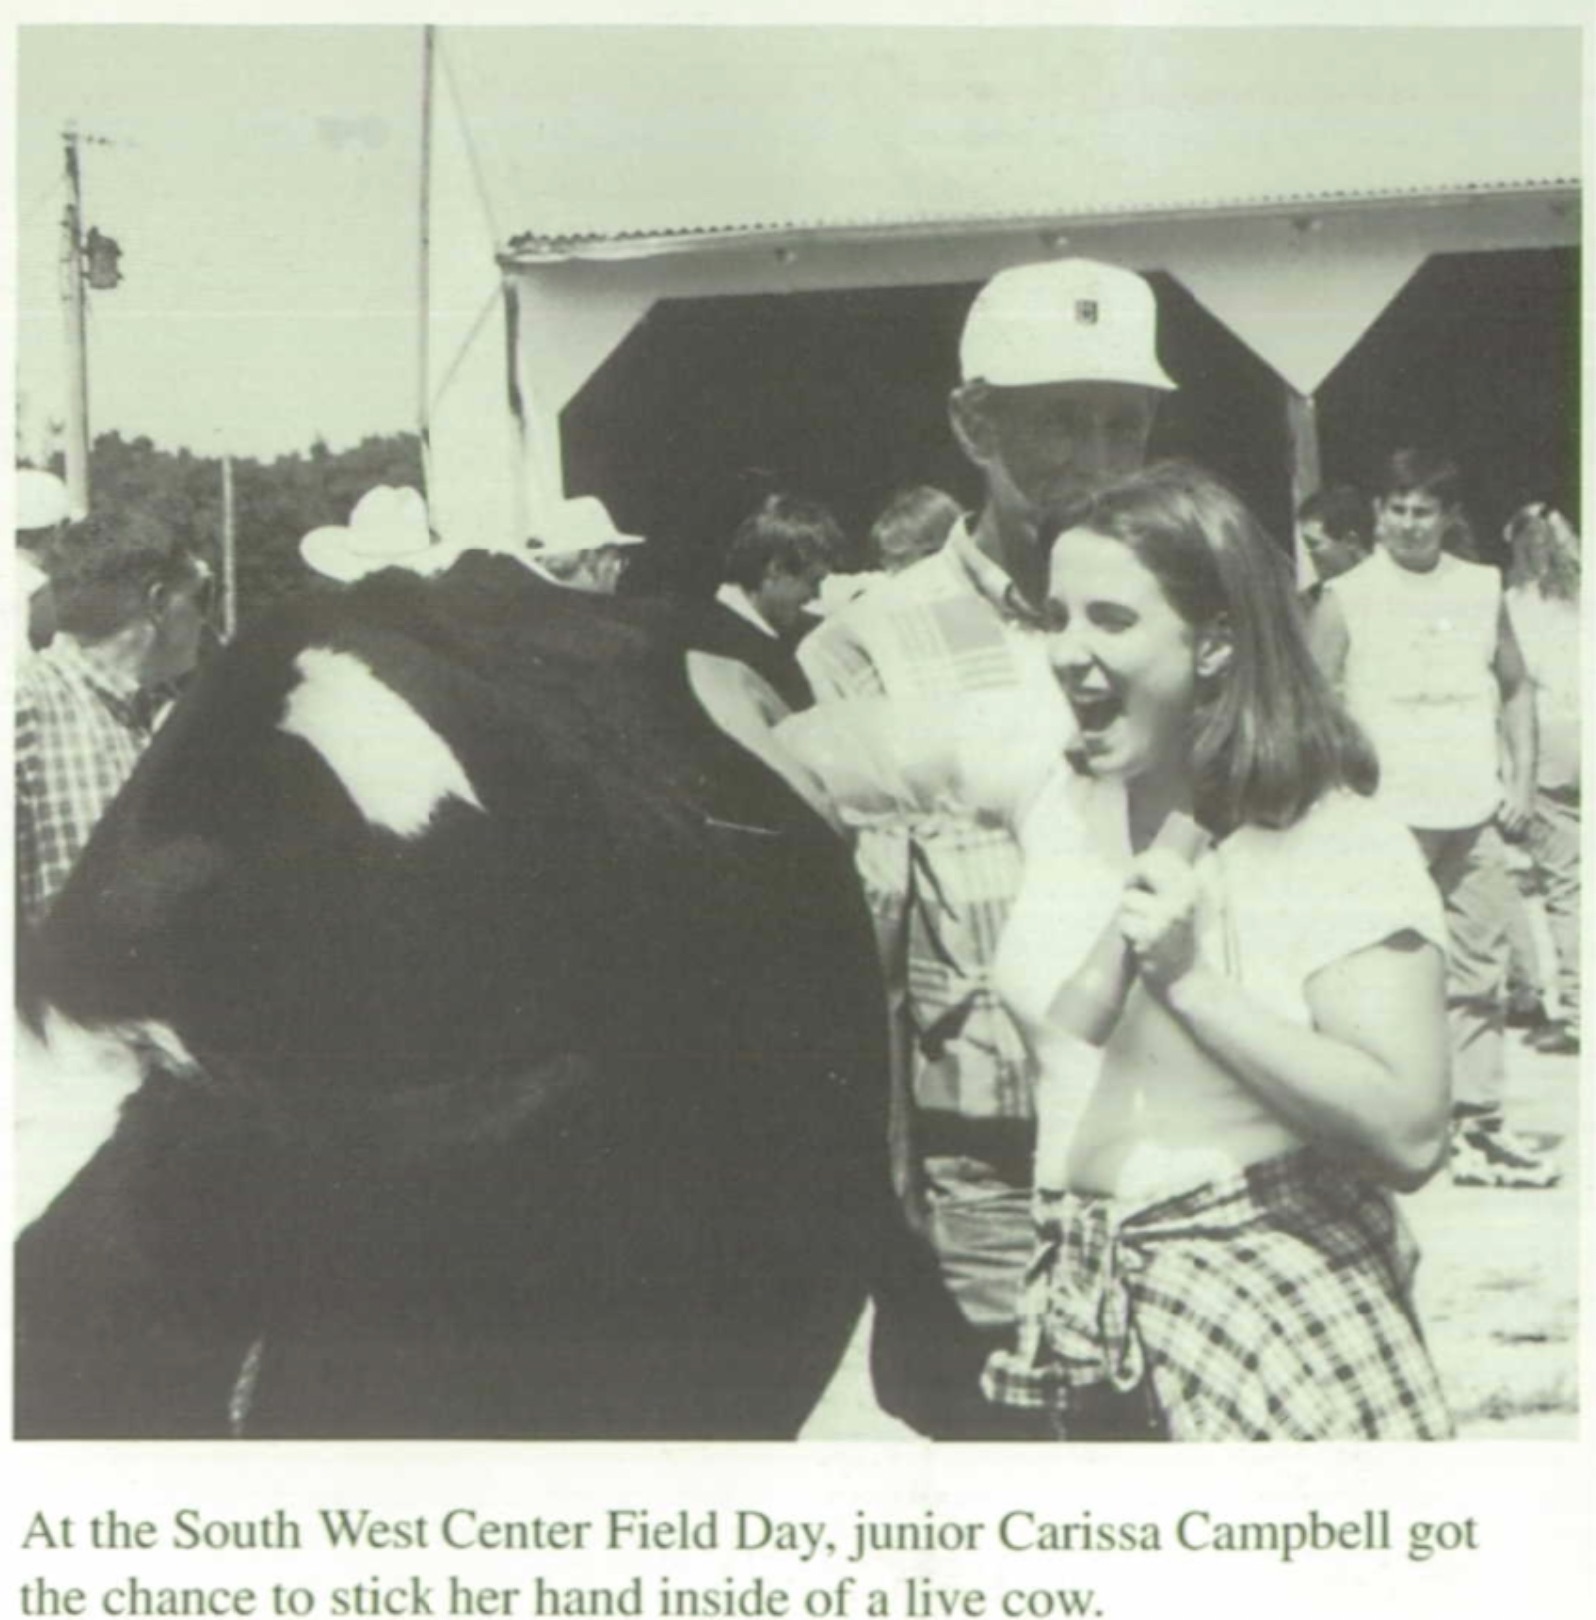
<point>1362,880</point>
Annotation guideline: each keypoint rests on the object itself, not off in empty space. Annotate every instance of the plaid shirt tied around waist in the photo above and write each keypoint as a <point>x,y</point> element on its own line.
<point>1272,1304</point>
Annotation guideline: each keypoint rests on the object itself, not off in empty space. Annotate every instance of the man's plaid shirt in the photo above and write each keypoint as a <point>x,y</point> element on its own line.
<point>951,624</point>
<point>80,728</point>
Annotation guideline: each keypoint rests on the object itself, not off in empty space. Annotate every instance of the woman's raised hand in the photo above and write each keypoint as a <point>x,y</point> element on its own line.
<point>1158,916</point>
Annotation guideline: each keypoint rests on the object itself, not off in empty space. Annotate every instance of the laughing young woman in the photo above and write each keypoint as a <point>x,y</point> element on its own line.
<point>1239,1054</point>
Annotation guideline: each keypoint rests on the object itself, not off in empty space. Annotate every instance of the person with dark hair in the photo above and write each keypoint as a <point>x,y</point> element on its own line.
<point>1239,1024</point>
<point>1059,385</point>
<point>1417,491</point>
<point>1420,643</point>
<point>1542,600</point>
<point>778,559</point>
<point>131,601</point>
<point>1334,527</point>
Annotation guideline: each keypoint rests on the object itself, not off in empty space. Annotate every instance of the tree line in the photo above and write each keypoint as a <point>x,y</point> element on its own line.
<point>275,503</point>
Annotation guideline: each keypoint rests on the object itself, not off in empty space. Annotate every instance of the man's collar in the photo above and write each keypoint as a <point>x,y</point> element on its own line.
<point>740,603</point>
<point>95,668</point>
<point>990,579</point>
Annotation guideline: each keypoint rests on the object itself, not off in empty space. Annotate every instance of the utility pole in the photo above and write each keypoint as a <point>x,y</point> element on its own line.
<point>77,429</point>
<point>229,554</point>
<point>88,260</point>
<point>424,277</point>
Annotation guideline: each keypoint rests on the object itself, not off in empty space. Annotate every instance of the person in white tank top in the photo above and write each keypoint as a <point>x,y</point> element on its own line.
<point>1238,1054</point>
<point>1423,650</point>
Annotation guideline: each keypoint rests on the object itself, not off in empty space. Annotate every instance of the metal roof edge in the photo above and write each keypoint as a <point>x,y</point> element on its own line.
<point>528,249</point>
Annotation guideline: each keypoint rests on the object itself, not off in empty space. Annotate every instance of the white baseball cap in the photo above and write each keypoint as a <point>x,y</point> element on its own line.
<point>41,499</point>
<point>387,529</point>
<point>1068,320</point>
<point>582,524</point>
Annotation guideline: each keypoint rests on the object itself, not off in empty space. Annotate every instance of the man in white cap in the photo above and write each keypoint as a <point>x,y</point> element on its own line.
<point>1059,384</point>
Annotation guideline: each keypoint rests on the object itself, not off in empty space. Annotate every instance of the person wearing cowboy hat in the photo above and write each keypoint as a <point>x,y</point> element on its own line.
<point>387,529</point>
<point>1059,383</point>
<point>577,545</point>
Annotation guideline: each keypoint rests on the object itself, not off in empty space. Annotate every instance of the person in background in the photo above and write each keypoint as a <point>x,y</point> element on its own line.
<point>780,556</point>
<point>131,604</point>
<point>387,529</point>
<point>41,510</point>
<point>1059,384</point>
<point>1527,976</point>
<point>1263,1051</point>
<point>578,546</point>
<point>1334,527</point>
<point>777,560</point>
<point>1421,645</point>
<point>1542,600</point>
<point>913,525</point>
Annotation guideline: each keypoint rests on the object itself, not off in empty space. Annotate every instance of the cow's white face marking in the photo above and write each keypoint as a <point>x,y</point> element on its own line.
<point>395,767</point>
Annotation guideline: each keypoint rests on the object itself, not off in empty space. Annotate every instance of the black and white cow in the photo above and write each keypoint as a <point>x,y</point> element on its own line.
<point>511,1047</point>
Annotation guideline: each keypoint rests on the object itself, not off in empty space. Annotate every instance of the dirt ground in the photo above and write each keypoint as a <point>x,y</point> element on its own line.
<point>1497,1289</point>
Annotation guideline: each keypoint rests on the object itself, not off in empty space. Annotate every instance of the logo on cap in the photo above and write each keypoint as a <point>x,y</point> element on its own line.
<point>1064,320</point>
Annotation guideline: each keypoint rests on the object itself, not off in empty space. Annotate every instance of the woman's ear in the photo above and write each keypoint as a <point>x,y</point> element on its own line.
<point>1215,648</point>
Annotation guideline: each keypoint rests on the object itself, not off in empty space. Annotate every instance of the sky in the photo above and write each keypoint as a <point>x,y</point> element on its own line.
<point>263,185</point>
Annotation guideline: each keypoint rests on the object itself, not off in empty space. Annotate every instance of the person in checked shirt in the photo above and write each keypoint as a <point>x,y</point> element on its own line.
<point>1059,385</point>
<point>131,602</point>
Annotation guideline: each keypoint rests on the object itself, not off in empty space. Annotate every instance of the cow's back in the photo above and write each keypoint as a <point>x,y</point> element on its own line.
<point>560,1116</point>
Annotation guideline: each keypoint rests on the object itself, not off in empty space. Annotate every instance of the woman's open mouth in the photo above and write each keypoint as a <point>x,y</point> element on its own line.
<point>1095,714</point>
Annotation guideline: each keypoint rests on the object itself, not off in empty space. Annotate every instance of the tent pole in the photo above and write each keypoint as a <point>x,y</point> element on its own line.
<point>1302,429</point>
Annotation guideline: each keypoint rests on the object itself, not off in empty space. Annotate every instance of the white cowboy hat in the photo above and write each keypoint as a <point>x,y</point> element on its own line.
<point>583,524</point>
<point>387,529</point>
<point>1069,320</point>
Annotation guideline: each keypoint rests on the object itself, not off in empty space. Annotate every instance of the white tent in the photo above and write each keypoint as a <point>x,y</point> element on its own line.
<point>1292,180</point>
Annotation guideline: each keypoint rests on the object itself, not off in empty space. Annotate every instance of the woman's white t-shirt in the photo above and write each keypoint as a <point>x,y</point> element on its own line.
<point>1153,1113</point>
